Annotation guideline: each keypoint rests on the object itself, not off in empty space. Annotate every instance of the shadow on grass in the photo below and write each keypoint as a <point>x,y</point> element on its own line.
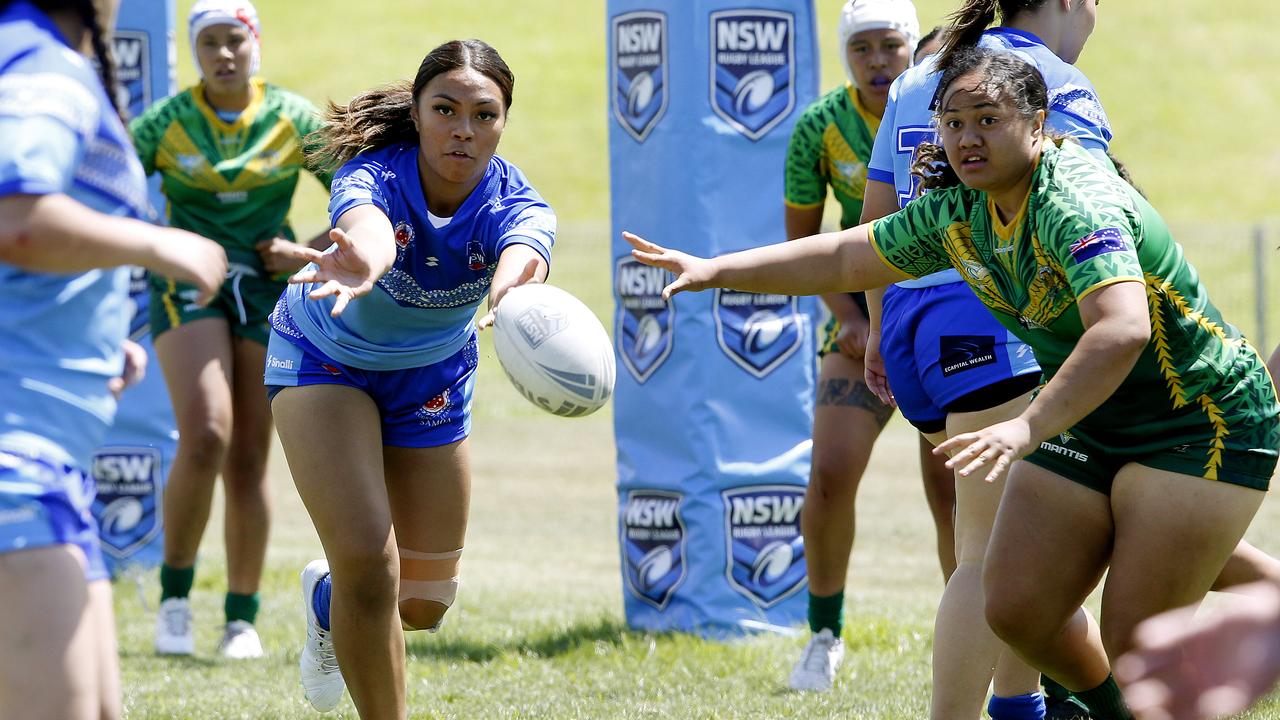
<point>555,643</point>
<point>182,661</point>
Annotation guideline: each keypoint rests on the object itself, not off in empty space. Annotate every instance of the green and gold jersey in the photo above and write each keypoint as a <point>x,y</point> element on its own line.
<point>1083,228</point>
<point>831,145</point>
<point>232,182</point>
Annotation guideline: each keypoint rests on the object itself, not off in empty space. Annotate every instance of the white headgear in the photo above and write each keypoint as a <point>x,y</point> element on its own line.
<point>206,13</point>
<point>859,15</point>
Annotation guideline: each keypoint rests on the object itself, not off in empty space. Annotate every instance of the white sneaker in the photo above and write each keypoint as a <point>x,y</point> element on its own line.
<point>240,641</point>
<point>322,682</point>
<point>173,628</point>
<point>816,668</point>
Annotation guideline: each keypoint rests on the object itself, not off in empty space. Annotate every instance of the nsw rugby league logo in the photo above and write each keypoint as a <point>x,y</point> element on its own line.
<point>645,324</point>
<point>653,537</point>
<point>765,554</point>
<point>132,50</point>
<point>753,68</point>
<point>758,332</point>
<point>639,71</point>
<point>128,505</point>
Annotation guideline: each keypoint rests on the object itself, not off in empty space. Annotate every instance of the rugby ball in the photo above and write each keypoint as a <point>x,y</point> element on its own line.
<point>554,350</point>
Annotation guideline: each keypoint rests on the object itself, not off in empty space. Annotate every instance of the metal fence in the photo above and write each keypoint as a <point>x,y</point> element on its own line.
<point>1238,261</point>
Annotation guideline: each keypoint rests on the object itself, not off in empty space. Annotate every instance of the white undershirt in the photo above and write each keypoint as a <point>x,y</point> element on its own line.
<point>436,221</point>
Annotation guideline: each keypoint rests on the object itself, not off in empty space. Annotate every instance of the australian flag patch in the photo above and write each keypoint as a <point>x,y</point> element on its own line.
<point>1099,242</point>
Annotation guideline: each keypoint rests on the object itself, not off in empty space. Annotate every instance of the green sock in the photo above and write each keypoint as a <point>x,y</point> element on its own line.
<point>241,607</point>
<point>176,582</point>
<point>1053,689</point>
<point>1105,701</point>
<point>827,612</point>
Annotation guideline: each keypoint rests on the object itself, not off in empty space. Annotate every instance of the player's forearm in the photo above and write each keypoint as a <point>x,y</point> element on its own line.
<point>371,236</point>
<point>54,233</point>
<point>815,265</point>
<point>875,308</point>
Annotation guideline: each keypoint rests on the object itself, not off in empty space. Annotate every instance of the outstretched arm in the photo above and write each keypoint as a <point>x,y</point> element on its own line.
<point>826,263</point>
<point>366,250</point>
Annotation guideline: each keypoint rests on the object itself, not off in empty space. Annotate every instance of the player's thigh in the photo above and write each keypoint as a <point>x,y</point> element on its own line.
<point>1173,534</point>
<point>48,649</point>
<point>430,493</point>
<point>332,440</point>
<point>102,622</point>
<point>197,359</point>
<point>847,416</point>
<point>252,428</point>
<point>1049,545</point>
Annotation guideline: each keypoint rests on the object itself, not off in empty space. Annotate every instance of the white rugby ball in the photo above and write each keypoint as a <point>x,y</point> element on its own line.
<point>554,350</point>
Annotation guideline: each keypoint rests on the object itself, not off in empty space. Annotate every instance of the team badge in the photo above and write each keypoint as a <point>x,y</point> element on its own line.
<point>639,71</point>
<point>652,544</point>
<point>128,505</point>
<point>404,234</point>
<point>475,256</point>
<point>764,559</point>
<point>435,405</point>
<point>646,321</point>
<point>753,68</point>
<point>132,50</point>
<point>331,369</point>
<point>758,332</point>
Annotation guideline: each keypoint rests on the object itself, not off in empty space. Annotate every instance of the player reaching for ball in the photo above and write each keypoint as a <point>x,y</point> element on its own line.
<point>1147,451</point>
<point>372,358</point>
<point>72,196</point>
<point>831,146</point>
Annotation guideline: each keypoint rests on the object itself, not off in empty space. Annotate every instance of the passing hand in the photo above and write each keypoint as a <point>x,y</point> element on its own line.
<point>346,273</point>
<point>527,275</point>
<point>135,368</point>
<point>995,446</point>
<point>1181,669</point>
<point>195,260</point>
<point>851,339</point>
<point>276,255</point>
<point>874,372</point>
<point>692,272</point>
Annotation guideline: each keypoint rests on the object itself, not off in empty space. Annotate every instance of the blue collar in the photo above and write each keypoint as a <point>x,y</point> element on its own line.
<point>24,11</point>
<point>1026,37</point>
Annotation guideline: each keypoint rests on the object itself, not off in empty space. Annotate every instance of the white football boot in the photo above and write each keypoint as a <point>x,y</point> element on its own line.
<point>240,641</point>
<point>173,628</point>
<point>322,682</point>
<point>816,668</point>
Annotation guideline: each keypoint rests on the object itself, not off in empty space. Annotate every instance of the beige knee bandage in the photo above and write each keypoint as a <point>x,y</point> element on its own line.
<point>429,576</point>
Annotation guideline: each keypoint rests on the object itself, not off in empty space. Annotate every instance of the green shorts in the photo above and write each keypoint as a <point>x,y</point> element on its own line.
<point>1235,441</point>
<point>827,340</point>
<point>245,300</point>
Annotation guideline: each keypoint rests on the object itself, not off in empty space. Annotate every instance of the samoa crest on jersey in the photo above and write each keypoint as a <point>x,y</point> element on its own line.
<point>645,322</point>
<point>764,557</point>
<point>128,505</point>
<point>653,537</point>
<point>757,331</point>
<point>753,68</point>
<point>639,70</point>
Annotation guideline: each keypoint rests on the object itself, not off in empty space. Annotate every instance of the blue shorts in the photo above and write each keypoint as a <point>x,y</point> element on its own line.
<point>941,344</point>
<point>44,503</point>
<point>420,407</point>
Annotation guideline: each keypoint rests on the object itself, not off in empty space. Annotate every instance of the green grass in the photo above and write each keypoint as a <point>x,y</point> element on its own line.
<point>538,631</point>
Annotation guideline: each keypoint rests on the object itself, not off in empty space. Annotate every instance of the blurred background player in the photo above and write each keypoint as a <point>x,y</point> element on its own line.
<point>229,151</point>
<point>71,193</point>
<point>830,146</point>
<point>428,223</point>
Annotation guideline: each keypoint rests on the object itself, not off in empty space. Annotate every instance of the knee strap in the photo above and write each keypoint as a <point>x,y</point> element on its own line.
<point>429,576</point>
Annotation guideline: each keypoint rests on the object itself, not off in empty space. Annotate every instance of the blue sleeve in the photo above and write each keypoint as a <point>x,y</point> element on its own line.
<point>1076,111</point>
<point>45,119</point>
<point>527,222</point>
<point>358,182</point>
<point>881,166</point>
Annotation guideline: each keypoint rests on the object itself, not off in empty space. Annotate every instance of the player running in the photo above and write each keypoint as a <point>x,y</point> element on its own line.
<point>1149,393</point>
<point>229,151</point>
<point>71,193</point>
<point>373,357</point>
<point>830,146</point>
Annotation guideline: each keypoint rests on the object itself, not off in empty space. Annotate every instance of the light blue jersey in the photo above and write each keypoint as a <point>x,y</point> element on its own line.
<point>1074,111</point>
<point>422,310</point>
<point>60,334</point>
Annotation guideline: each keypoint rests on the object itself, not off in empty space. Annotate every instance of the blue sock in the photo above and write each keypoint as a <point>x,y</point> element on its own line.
<point>1018,707</point>
<point>320,601</point>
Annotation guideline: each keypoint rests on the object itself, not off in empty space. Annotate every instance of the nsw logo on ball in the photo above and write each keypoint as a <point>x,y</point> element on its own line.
<point>753,68</point>
<point>638,66</point>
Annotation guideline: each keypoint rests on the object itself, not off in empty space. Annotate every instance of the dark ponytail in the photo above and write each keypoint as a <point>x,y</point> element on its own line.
<point>102,54</point>
<point>380,117</point>
<point>974,17</point>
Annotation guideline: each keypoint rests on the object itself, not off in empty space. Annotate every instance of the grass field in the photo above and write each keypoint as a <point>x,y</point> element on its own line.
<point>538,629</point>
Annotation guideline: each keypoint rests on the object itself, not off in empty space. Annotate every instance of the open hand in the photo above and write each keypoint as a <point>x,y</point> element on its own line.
<point>346,273</point>
<point>195,260</point>
<point>527,275</point>
<point>995,446</point>
<point>692,272</point>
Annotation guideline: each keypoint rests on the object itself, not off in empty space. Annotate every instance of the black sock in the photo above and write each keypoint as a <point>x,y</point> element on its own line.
<point>1105,701</point>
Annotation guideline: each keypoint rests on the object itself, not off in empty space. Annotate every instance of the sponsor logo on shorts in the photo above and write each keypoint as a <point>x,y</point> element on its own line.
<point>646,321</point>
<point>638,65</point>
<point>653,540</point>
<point>132,50</point>
<point>538,323</point>
<point>753,68</point>
<point>1098,242</point>
<point>128,505</point>
<point>758,332</point>
<point>957,353</point>
<point>1065,438</point>
<point>277,363</point>
<point>331,369</point>
<point>765,552</point>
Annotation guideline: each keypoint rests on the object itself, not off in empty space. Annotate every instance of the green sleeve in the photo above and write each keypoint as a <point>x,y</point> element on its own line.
<point>911,240</point>
<point>805,184</point>
<point>306,118</point>
<point>1092,236</point>
<point>146,130</point>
